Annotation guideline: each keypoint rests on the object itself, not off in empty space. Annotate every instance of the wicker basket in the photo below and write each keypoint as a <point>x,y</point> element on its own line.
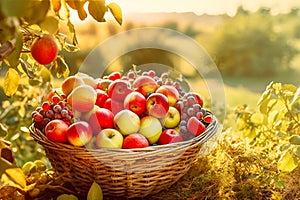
<point>126,173</point>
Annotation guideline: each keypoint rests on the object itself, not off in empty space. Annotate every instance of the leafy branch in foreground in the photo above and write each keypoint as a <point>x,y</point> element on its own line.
<point>23,22</point>
<point>276,122</point>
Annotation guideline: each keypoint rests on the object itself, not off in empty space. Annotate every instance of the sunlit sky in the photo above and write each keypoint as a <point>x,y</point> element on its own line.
<point>204,6</point>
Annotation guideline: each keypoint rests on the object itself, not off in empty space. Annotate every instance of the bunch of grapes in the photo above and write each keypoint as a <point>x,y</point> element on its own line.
<point>191,108</point>
<point>56,108</point>
<point>163,79</point>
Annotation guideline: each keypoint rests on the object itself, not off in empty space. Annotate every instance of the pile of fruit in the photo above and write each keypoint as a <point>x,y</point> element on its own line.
<point>134,110</point>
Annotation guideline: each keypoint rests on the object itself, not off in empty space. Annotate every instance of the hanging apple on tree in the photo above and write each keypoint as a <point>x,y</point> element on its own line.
<point>31,29</point>
<point>44,49</point>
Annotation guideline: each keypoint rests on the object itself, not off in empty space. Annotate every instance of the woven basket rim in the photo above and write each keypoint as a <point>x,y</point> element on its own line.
<point>41,138</point>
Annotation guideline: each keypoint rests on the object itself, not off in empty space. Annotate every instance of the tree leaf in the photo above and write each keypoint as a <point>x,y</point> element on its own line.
<point>46,75</point>
<point>296,108</point>
<point>296,96</point>
<point>22,110</point>
<point>79,5</point>
<point>61,68</point>
<point>116,12</point>
<point>56,4</point>
<point>4,165</point>
<point>95,192</point>
<point>289,87</point>
<point>50,24</point>
<point>97,9</point>
<point>295,139</point>
<point>272,118</point>
<point>14,8</point>
<point>287,162</point>
<point>27,68</point>
<point>241,124</point>
<point>32,11</point>
<point>263,97</point>
<point>70,47</point>
<point>67,197</point>
<point>13,58</point>
<point>297,151</point>
<point>3,131</point>
<point>37,11</point>
<point>250,133</point>
<point>263,106</point>
<point>71,3</point>
<point>11,82</point>
<point>17,175</point>
<point>257,118</point>
<point>72,31</point>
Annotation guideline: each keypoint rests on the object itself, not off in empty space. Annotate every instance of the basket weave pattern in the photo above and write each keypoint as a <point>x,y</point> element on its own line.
<point>126,173</point>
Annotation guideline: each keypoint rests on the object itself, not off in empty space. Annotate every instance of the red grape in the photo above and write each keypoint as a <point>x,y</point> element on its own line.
<point>38,117</point>
<point>46,106</point>
<point>57,108</point>
<point>55,99</point>
<point>151,73</point>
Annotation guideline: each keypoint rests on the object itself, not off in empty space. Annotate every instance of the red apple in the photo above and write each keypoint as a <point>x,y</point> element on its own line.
<point>102,118</point>
<point>118,90</point>
<point>208,119</point>
<point>157,105</point>
<point>151,128</point>
<point>53,92</point>
<point>107,104</point>
<point>145,85</point>
<point>85,116</point>
<point>169,136</point>
<point>136,102</point>
<point>82,98</point>
<point>56,130</point>
<point>103,84</point>
<point>172,119</point>
<point>44,49</point>
<point>135,140</point>
<point>113,105</point>
<point>195,126</point>
<point>79,133</point>
<point>127,122</point>
<point>101,98</point>
<point>109,138</point>
<point>170,92</point>
<point>114,76</point>
<point>70,83</point>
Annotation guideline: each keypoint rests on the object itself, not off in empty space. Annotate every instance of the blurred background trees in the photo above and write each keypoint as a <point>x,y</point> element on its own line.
<point>249,44</point>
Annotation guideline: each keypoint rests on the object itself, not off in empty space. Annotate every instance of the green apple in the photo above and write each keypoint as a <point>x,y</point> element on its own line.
<point>172,119</point>
<point>151,128</point>
<point>127,122</point>
<point>109,138</point>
